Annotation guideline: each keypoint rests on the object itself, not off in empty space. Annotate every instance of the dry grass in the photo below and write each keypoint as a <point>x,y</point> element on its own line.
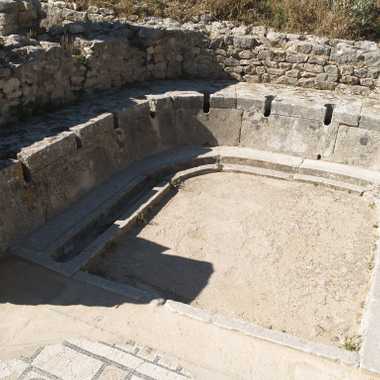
<point>333,18</point>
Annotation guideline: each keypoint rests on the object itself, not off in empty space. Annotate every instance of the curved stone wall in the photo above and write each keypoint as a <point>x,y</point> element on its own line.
<point>50,163</point>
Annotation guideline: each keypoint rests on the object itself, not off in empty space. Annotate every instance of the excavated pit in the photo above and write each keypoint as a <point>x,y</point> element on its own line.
<point>289,256</point>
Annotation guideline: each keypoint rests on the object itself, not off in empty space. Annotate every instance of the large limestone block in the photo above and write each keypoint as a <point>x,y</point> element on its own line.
<point>72,177</point>
<point>141,136</point>
<point>370,115</point>
<point>47,151</point>
<point>348,111</point>
<point>293,135</point>
<point>162,120</point>
<point>216,127</point>
<point>302,108</point>
<point>357,146</point>
<point>95,130</point>
<point>21,204</point>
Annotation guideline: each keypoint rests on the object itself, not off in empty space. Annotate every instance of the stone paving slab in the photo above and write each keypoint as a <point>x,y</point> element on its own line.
<point>82,359</point>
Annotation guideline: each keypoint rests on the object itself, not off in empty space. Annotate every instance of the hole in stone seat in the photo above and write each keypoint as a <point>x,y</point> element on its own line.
<point>115,121</point>
<point>268,105</point>
<point>26,173</point>
<point>152,108</point>
<point>319,156</point>
<point>78,142</point>
<point>206,102</point>
<point>329,113</point>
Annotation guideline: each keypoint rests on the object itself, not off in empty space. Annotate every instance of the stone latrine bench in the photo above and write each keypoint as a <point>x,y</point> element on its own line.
<point>47,164</point>
<point>67,173</point>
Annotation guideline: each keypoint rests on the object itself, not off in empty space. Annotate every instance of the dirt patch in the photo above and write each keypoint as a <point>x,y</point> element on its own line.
<point>288,256</point>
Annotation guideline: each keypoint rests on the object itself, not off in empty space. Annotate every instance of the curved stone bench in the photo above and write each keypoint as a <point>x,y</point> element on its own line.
<point>49,164</point>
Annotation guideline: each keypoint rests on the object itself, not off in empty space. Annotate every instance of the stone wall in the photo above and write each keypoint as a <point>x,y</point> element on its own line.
<point>19,16</point>
<point>260,54</point>
<point>83,51</point>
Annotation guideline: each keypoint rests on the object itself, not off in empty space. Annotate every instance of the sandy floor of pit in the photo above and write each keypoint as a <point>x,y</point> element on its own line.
<point>288,256</point>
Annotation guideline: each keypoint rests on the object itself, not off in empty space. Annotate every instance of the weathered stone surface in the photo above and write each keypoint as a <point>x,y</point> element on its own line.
<point>303,109</point>
<point>283,134</point>
<point>218,127</point>
<point>17,16</point>
<point>357,146</point>
<point>136,125</point>
<point>48,151</point>
<point>370,116</point>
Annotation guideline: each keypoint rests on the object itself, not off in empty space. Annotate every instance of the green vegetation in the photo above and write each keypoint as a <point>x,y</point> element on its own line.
<point>352,343</point>
<point>333,18</point>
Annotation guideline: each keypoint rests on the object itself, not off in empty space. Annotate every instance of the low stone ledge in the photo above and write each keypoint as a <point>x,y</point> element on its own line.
<point>351,174</point>
<point>193,172</point>
<point>327,352</point>
<point>259,158</point>
<point>336,185</point>
<point>260,171</point>
<point>129,292</point>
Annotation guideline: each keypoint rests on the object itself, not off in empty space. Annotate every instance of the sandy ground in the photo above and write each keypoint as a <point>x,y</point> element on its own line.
<point>288,256</point>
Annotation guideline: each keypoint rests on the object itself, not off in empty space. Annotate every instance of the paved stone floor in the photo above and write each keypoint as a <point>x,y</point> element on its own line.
<point>85,360</point>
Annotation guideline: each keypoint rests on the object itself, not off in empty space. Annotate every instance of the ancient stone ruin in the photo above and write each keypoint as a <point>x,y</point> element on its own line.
<point>227,174</point>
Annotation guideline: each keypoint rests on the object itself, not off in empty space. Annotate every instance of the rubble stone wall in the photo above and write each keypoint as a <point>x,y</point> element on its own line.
<point>84,51</point>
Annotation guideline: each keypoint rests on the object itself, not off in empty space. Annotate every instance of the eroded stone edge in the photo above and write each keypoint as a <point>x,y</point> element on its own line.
<point>325,351</point>
<point>370,326</point>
